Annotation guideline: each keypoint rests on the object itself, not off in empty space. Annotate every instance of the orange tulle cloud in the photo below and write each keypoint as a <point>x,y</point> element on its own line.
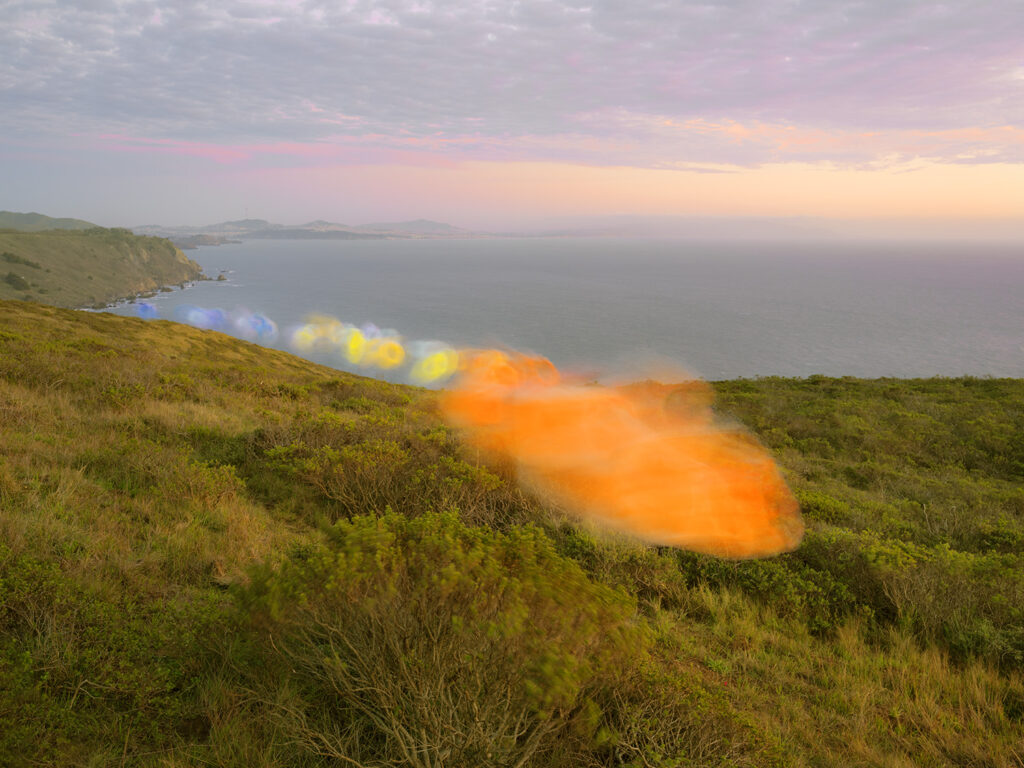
<point>646,458</point>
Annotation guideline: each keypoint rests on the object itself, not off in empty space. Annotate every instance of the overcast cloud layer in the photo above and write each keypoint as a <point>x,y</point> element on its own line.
<point>602,82</point>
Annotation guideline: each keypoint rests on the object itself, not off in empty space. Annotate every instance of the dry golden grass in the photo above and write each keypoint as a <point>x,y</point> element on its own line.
<point>848,700</point>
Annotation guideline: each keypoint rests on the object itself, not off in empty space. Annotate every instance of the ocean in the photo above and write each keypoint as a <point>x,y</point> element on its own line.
<point>719,310</point>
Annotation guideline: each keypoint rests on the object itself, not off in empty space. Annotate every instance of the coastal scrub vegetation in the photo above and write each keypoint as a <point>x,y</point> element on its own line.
<point>217,554</point>
<point>88,267</point>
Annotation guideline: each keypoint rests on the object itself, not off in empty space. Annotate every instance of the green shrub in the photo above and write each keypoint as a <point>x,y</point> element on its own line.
<point>367,463</point>
<point>17,282</point>
<point>426,642</point>
<point>88,664</point>
<point>11,258</point>
<point>791,585</point>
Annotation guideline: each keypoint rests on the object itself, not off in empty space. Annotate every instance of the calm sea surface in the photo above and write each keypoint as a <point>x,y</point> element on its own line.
<point>721,310</point>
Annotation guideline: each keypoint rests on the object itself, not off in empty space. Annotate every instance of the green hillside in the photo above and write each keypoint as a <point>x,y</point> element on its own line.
<point>76,268</point>
<point>217,554</point>
<point>37,222</point>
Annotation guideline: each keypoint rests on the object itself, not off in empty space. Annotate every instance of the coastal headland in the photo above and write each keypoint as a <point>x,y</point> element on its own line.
<point>88,267</point>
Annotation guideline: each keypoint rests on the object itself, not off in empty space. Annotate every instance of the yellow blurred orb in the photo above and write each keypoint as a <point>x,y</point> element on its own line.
<point>304,338</point>
<point>385,353</point>
<point>354,346</point>
<point>436,366</point>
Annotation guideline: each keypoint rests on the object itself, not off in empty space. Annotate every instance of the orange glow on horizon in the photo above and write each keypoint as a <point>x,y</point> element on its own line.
<point>496,191</point>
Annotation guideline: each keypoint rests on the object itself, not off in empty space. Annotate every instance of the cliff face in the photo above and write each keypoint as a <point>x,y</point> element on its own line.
<point>90,267</point>
<point>151,262</point>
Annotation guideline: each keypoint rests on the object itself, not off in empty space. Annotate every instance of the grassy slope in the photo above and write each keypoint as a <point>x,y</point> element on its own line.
<point>37,222</point>
<point>148,470</point>
<point>86,267</point>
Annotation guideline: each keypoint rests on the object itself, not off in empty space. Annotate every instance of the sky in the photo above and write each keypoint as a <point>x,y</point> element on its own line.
<point>513,114</point>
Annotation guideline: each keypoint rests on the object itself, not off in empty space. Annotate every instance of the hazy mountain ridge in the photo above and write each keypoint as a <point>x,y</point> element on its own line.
<point>417,226</point>
<point>320,229</point>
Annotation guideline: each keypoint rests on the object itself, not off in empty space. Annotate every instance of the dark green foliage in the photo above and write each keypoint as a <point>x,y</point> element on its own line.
<point>913,492</point>
<point>11,258</point>
<point>16,281</point>
<point>790,584</point>
<point>97,669</point>
<point>364,455</point>
<point>426,642</point>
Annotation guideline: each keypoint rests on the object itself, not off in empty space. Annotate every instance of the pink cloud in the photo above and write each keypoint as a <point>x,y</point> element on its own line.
<point>618,138</point>
<point>357,150</point>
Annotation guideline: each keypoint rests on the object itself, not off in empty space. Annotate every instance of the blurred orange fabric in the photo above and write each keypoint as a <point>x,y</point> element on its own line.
<point>645,458</point>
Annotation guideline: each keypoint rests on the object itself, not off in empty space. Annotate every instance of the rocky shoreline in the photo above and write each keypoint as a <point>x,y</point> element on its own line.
<point>148,294</point>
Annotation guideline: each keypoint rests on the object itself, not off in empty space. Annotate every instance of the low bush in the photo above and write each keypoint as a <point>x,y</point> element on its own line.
<point>425,642</point>
<point>16,281</point>
<point>11,258</point>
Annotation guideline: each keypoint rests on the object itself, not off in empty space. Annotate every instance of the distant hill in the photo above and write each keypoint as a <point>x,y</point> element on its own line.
<point>324,225</point>
<point>240,225</point>
<point>37,222</point>
<point>417,227</point>
<point>76,268</point>
<point>238,228</point>
<point>191,242</point>
<point>301,233</point>
<point>320,229</point>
